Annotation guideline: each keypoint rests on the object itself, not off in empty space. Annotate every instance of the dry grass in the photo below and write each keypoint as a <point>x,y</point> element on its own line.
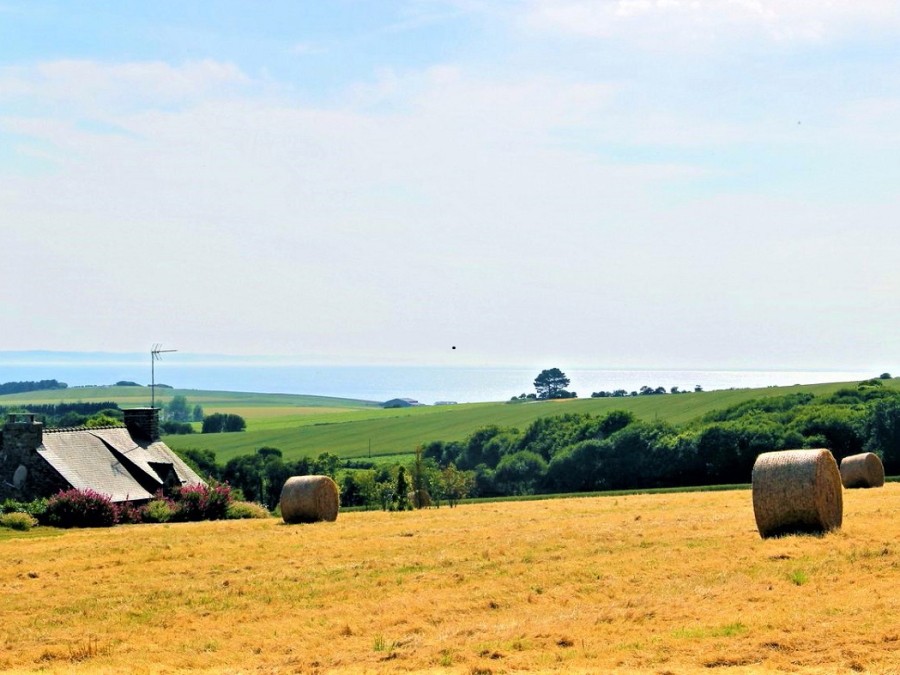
<point>659,583</point>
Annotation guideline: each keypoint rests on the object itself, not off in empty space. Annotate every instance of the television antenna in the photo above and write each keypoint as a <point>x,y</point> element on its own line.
<point>155,352</point>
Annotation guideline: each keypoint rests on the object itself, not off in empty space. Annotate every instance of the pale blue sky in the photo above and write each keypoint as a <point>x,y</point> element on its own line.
<point>623,183</point>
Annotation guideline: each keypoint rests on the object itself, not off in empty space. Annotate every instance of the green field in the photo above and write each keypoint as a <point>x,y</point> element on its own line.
<point>310,425</point>
<point>215,401</point>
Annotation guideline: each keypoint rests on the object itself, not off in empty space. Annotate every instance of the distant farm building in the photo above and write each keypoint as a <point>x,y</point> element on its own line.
<point>127,463</point>
<point>400,403</point>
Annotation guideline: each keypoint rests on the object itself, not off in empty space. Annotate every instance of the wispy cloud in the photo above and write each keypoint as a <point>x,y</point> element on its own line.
<point>591,166</point>
<point>94,85</point>
<point>670,24</point>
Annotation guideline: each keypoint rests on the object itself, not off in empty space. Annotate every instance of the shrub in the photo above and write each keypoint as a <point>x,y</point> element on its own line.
<point>160,510</point>
<point>129,514</point>
<point>80,508</point>
<point>241,510</point>
<point>18,521</point>
<point>12,506</point>
<point>202,502</point>
<point>35,508</point>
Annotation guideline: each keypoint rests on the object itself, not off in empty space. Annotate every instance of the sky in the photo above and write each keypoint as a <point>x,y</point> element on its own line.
<point>618,183</point>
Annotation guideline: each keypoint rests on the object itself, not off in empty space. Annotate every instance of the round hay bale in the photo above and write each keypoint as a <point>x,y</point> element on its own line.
<point>796,491</point>
<point>862,471</point>
<point>309,499</point>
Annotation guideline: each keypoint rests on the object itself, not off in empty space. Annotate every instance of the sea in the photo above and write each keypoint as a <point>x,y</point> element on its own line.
<point>425,384</point>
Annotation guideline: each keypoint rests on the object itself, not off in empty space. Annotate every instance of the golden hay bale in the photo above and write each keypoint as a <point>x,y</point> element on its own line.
<point>862,471</point>
<point>309,499</point>
<point>796,491</point>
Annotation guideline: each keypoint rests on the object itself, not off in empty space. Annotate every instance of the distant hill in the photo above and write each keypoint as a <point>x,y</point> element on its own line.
<point>309,425</point>
<point>136,396</point>
<point>29,386</point>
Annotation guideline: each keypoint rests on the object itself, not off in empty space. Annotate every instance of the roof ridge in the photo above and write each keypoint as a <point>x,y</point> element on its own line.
<point>61,429</point>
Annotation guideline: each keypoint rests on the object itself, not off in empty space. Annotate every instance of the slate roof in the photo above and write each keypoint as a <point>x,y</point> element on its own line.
<point>147,454</point>
<point>111,462</point>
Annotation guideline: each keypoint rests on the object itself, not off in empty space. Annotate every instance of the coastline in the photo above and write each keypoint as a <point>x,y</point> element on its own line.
<point>426,384</point>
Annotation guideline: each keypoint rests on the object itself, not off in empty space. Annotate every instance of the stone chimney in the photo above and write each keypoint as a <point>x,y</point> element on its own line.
<point>22,435</point>
<point>143,423</point>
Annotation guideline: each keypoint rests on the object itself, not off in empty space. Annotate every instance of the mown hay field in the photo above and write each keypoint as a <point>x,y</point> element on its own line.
<point>663,583</point>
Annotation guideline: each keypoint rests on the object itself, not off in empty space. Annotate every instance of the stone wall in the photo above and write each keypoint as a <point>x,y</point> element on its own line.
<point>24,474</point>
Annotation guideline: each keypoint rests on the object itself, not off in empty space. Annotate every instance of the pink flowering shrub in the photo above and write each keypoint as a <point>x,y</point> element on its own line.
<point>87,508</point>
<point>202,502</point>
<point>80,508</point>
<point>129,514</point>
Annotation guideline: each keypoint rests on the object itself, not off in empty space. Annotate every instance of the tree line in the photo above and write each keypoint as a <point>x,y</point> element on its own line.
<point>259,477</point>
<point>26,386</point>
<point>65,415</point>
<point>584,452</point>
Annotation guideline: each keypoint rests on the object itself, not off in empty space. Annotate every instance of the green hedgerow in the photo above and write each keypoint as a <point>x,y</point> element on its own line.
<point>240,510</point>
<point>18,520</point>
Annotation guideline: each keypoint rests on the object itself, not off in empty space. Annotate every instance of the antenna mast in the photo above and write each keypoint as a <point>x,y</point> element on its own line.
<point>155,352</point>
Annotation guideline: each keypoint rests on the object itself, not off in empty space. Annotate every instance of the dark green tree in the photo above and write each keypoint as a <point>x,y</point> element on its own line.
<point>326,463</point>
<point>520,473</point>
<point>177,409</point>
<point>882,430</point>
<point>202,461</point>
<point>402,488</point>
<point>219,422</point>
<point>420,497</point>
<point>550,383</point>
<point>260,477</point>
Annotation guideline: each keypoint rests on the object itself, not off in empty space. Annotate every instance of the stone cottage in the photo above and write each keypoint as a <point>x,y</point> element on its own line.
<point>127,463</point>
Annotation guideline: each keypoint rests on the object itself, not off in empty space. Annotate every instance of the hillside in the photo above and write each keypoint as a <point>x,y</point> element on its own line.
<point>216,401</point>
<point>389,433</point>
<point>309,425</point>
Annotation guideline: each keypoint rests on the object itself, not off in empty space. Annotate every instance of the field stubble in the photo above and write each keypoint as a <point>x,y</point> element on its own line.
<point>645,583</point>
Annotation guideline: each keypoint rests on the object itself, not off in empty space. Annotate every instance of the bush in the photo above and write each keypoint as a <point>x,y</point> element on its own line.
<point>12,506</point>
<point>241,510</point>
<point>202,502</point>
<point>18,521</point>
<point>80,508</point>
<point>177,428</point>
<point>35,508</point>
<point>160,510</point>
<point>129,514</point>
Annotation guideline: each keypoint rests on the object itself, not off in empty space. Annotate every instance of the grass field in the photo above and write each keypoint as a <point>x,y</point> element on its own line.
<point>664,583</point>
<point>308,425</point>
